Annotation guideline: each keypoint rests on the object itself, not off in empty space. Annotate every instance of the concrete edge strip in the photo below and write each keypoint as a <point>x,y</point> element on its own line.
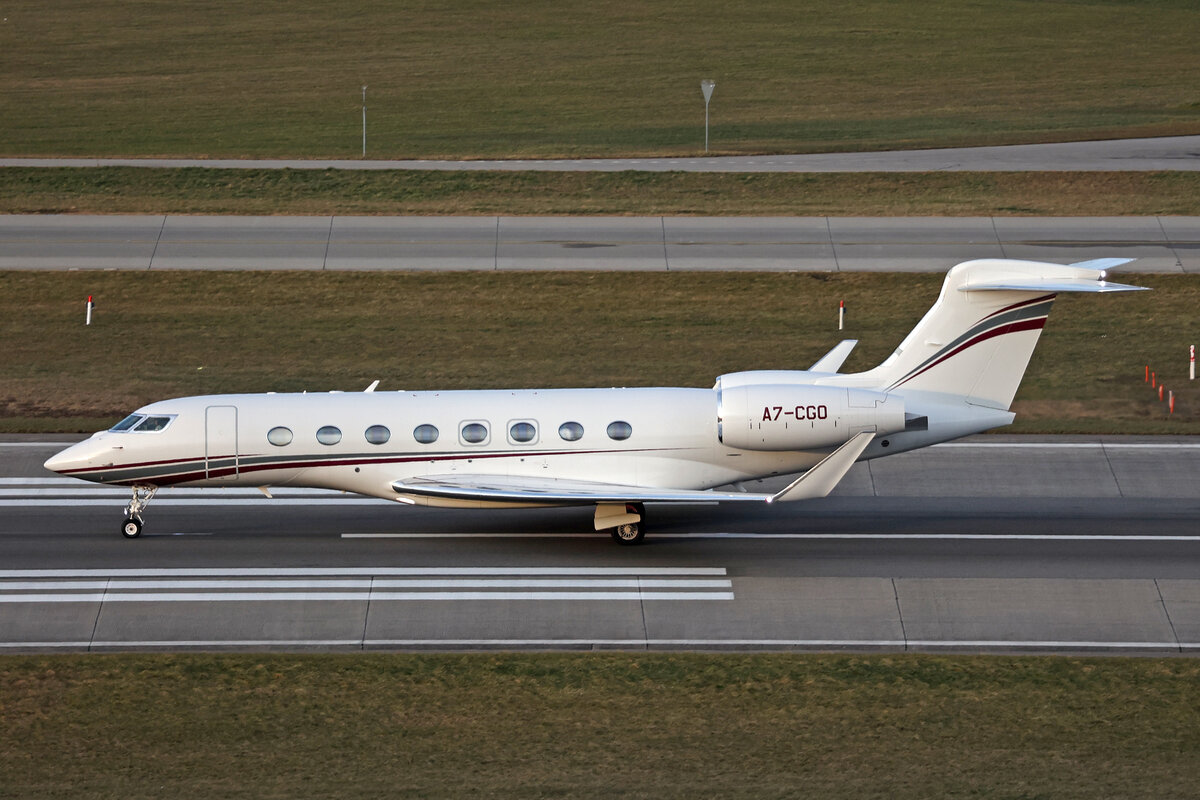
<point>978,644</point>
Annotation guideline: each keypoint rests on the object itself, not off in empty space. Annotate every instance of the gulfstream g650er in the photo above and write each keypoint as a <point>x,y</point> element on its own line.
<point>953,375</point>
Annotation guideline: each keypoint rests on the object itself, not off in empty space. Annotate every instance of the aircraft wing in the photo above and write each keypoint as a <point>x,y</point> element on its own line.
<point>816,482</point>
<point>503,488</point>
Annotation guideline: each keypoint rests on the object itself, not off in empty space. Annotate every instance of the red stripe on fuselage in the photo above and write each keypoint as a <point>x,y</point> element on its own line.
<point>169,479</point>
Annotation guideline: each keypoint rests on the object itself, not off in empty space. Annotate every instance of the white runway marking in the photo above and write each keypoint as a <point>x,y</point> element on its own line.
<point>372,596</point>
<point>151,572</point>
<point>386,584</point>
<point>368,583</point>
<point>1033,537</point>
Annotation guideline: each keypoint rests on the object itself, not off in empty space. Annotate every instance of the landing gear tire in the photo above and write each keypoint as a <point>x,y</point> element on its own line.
<point>628,534</point>
<point>131,528</point>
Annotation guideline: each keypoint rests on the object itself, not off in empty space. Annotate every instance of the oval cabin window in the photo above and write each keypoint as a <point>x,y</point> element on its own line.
<point>280,436</point>
<point>619,430</point>
<point>425,434</point>
<point>329,434</point>
<point>571,431</point>
<point>377,434</point>
<point>474,433</point>
<point>522,432</point>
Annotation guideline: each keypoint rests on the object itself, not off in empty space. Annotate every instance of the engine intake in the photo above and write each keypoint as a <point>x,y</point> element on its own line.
<point>802,417</point>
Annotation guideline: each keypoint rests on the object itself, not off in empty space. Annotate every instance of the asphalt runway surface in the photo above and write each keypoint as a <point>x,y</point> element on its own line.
<point>818,244</point>
<point>997,543</point>
<point>1123,155</point>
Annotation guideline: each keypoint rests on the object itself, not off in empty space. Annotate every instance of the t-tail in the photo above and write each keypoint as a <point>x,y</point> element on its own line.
<point>977,339</point>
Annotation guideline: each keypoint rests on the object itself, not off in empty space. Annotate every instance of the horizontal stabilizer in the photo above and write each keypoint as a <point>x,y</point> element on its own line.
<point>1102,263</point>
<point>833,360</point>
<point>1036,276</point>
<point>1052,287</point>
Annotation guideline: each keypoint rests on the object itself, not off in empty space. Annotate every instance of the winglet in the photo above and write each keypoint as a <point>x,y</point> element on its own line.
<point>833,360</point>
<point>828,473</point>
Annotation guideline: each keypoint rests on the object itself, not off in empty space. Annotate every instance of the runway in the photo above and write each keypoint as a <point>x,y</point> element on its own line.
<point>998,543</point>
<point>817,244</point>
<point>1119,155</point>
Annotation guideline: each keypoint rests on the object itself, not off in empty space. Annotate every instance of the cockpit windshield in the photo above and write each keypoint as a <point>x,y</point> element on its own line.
<point>128,422</point>
<point>142,423</point>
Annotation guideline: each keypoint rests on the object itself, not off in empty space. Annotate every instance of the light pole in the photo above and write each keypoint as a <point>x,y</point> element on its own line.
<point>706,87</point>
<point>364,104</point>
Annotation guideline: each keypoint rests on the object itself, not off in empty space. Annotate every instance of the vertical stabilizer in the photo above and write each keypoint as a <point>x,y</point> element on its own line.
<point>978,338</point>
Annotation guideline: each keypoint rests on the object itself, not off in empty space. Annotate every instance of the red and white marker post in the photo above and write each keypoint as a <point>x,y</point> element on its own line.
<point>88,319</point>
<point>1192,365</point>
<point>841,314</point>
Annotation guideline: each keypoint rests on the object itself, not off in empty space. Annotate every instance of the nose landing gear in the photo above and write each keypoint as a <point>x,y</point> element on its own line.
<point>131,528</point>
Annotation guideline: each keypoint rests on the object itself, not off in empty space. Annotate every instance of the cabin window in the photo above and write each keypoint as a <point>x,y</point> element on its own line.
<point>571,431</point>
<point>153,424</point>
<point>377,434</point>
<point>619,430</point>
<point>329,434</point>
<point>522,432</point>
<point>280,436</point>
<point>127,423</point>
<point>473,433</point>
<point>425,434</point>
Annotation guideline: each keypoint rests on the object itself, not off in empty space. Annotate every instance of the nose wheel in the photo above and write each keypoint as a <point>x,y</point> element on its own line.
<point>131,528</point>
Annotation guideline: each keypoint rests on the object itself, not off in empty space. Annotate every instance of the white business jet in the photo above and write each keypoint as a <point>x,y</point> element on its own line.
<point>955,374</point>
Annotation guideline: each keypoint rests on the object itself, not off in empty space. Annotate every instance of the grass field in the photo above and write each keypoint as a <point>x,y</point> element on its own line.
<point>163,334</point>
<point>116,190</point>
<point>593,725</point>
<point>548,78</point>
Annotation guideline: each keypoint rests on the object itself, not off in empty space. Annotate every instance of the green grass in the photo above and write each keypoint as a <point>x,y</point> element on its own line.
<point>547,78</point>
<point>163,334</point>
<point>129,190</point>
<point>598,725</point>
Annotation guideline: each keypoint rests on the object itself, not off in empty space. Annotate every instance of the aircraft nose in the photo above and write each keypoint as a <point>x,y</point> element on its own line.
<point>73,458</point>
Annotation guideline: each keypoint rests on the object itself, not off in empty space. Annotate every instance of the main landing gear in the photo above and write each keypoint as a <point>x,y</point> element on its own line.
<point>622,521</point>
<point>131,528</point>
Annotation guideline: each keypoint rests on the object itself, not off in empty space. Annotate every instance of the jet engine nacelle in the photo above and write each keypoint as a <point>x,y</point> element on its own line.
<point>802,417</point>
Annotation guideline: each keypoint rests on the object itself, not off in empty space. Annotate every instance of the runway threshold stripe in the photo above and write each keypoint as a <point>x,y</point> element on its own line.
<point>258,597</point>
<point>185,572</point>
<point>990,644</point>
<point>368,584</point>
